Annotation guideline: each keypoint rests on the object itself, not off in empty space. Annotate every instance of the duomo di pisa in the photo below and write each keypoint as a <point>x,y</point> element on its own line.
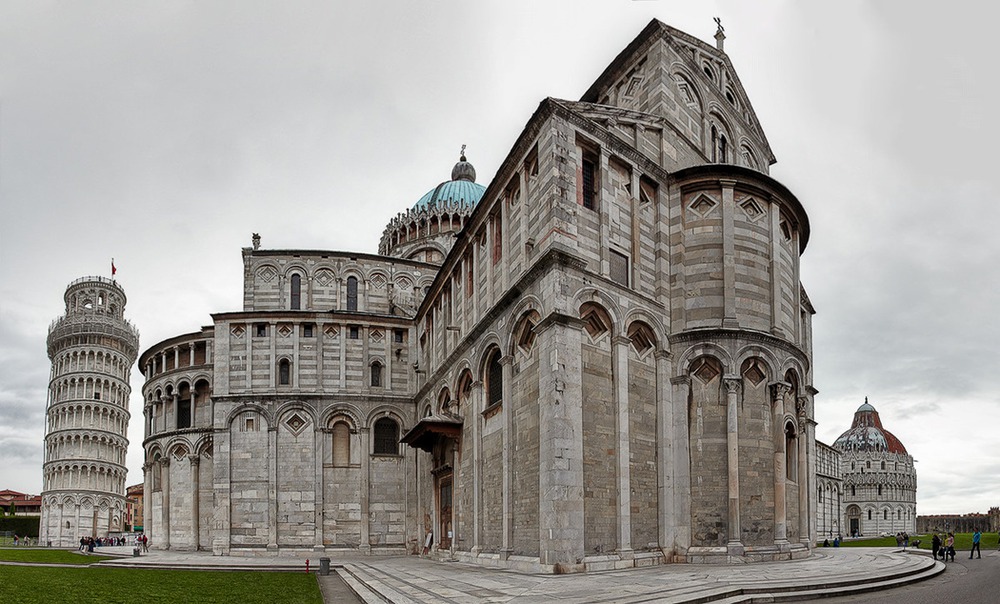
<point>601,359</point>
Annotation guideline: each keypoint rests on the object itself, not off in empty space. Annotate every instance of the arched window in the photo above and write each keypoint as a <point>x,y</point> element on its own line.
<point>386,437</point>
<point>296,294</point>
<point>494,379</point>
<point>341,444</point>
<point>183,406</point>
<point>377,374</point>
<point>284,372</point>
<point>869,514</point>
<point>791,458</point>
<point>715,145</point>
<point>352,293</point>
<point>722,149</point>
<point>879,489</point>
<point>853,491</point>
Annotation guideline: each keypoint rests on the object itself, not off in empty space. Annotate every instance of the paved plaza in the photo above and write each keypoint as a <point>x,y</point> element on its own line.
<point>830,571</point>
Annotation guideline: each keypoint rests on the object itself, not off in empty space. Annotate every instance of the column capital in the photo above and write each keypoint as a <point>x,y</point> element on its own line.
<point>681,380</point>
<point>733,384</point>
<point>663,355</point>
<point>779,389</point>
<point>621,340</point>
<point>801,404</point>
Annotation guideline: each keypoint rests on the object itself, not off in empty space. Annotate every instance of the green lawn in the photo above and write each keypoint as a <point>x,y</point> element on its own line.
<point>48,556</point>
<point>31,584</point>
<point>963,541</point>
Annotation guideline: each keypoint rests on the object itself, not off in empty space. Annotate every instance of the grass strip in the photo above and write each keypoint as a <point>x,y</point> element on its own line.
<point>48,556</point>
<point>43,585</point>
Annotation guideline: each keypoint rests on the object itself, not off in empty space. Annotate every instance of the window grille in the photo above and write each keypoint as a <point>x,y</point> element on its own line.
<point>352,293</point>
<point>386,437</point>
<point>296,293</point>
<point>618,268</point>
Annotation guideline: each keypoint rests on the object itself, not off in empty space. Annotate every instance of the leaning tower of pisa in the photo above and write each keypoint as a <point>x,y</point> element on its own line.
<point>92,348</point>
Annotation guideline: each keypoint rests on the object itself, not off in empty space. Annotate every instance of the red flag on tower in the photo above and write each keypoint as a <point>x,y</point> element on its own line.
<point>113,269</point>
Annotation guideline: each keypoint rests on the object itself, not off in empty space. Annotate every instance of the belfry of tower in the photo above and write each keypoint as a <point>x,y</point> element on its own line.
<point>92,349</point>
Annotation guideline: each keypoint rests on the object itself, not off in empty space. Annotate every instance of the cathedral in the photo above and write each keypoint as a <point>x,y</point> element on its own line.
<point>601,359</point>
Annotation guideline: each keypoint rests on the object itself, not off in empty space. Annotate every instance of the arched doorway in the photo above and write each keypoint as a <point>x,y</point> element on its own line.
<point>854,520</point>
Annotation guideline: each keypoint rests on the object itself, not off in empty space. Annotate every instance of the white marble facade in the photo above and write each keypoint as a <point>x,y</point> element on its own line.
<point>601,360</point>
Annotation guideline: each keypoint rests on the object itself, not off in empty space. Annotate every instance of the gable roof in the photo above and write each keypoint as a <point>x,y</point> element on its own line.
<point>655,31</point>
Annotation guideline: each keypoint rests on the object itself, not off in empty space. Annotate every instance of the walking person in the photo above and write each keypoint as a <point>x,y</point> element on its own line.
<point>975,544</point>
<point>935,545</point>
<point>949,547</point>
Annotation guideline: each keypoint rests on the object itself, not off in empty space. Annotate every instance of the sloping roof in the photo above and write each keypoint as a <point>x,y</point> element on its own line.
<point>867,434</point>
<point>429,429</point>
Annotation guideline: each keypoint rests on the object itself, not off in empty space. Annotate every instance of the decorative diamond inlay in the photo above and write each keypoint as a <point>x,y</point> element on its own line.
<point>378,280</point>
<point>266,274</point>
<point>324,277</point>
<point>377,334</point>
<point>703,204</point>
<point>295,423</point>
<point>752,208</point>
<point>754,374</point>
<point>706,370</point>
<point>331,331</point>
<point>238,331</point>
<point>284,330</point>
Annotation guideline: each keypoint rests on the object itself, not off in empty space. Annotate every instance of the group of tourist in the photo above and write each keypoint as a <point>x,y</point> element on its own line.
<point>902,540</point>
<point>88,544</point>
<point>947,547</point>
<point>26,540</point>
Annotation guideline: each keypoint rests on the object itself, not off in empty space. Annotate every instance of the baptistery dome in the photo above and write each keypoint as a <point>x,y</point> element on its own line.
<point>867,434</point>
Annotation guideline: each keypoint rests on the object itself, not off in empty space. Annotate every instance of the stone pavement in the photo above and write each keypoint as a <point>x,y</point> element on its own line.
<point>830,571</point>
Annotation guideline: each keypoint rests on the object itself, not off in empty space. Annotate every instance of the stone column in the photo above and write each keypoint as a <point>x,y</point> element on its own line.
<point>775,272</point>
<point>221,530</point>
<point>733,386</point>
<point>729,255</point>
<point>475,412</point>
<point>366,455</point>
<point>681,464</point>
<point>322,438</point>
<point>456,485</point>
<point>620,348</point>
<point>195,497</point>
<point>666,485</point>
<point>79,528</point>
<point>147,496</point>
<point>560,447</point>
<point>507,404</point>
<point>778,391</point>
<point>272,478</point>
<point>165,499</point>
<point>803,474</point>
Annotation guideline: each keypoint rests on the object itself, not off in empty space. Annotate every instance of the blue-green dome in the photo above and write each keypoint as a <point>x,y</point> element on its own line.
<point>462,188</point>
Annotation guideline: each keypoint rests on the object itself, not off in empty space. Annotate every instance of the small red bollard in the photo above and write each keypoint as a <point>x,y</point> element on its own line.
<point>307,566</point>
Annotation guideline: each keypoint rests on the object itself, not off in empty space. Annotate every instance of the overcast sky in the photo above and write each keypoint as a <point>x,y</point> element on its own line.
<point>164,133</point>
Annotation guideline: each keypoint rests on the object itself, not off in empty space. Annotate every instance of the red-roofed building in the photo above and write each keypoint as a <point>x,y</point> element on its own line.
<point>24,504</point>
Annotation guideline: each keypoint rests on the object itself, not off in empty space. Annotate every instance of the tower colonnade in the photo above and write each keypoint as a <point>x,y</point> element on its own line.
<point>92,349</point>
